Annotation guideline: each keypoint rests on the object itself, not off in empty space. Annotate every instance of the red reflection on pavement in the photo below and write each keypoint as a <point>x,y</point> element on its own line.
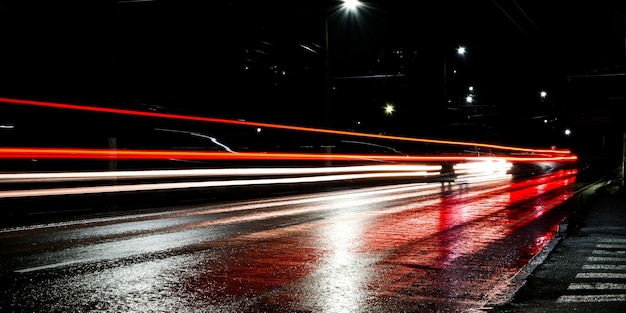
<point>448,246</point>
<point>268,263</point>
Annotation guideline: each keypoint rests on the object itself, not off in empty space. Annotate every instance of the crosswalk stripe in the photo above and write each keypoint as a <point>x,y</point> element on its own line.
<point>612,267</point>
<point>601,275</point>
<point>613,240</point>
<point>605,259</point>
<point>595,286</point>
<point>610,246</point>
<point>606,252</point>
<point>591,298</point>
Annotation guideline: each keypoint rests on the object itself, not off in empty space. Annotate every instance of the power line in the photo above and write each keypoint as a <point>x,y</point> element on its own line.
<point>510,18</point>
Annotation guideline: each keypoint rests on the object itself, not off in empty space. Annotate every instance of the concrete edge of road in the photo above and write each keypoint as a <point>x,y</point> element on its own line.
<point>505,292</point>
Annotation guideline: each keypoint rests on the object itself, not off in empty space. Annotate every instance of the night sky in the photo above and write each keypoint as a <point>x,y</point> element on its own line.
<point>265,60</point>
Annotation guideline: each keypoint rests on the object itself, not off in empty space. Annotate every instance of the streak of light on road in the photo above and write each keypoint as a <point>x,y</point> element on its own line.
<point>276,126</point>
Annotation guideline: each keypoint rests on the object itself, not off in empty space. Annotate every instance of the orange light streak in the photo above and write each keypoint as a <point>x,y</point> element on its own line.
<point>270,125</point>
<point>74,153</point>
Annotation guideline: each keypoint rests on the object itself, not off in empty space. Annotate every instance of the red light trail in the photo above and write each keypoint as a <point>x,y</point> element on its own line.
<point>270,125</point>
<point>71,153</point>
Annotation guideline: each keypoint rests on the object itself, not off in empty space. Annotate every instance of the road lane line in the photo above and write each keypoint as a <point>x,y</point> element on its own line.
<point>592,298</point>
<point>606,252</point>
<point>610,246</point>
<point>613,240</point>
<point>596,286</point>
<point>602,275</point>
<point>610,267</point>
<point>605,259</point>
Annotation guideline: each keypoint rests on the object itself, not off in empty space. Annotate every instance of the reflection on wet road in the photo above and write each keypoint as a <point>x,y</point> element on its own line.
<point>410,247</point>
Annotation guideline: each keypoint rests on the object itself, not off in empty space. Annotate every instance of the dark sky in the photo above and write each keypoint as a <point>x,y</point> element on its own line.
<point>226,58</point>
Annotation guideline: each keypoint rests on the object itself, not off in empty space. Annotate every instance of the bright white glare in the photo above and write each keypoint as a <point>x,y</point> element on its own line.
<point>469,99</point>
<point>351,5</point>
<point>470,88</point>
<point>543,94</point>
<point>341,282</point>
<point>482,171</point>
<point>461,50</point>
<point>567,132</point>
<point>389,109</point>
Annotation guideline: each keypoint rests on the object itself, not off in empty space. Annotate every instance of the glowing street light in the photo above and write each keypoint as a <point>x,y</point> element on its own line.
<point>346,7</point>
<point>389,109</point>
<point>351,5</point>
<point>461,50</point>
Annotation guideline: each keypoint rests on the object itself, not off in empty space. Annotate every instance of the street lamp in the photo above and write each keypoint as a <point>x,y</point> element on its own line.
<point>461,50</point>
<point>389,109</point>
<point>346,7</point>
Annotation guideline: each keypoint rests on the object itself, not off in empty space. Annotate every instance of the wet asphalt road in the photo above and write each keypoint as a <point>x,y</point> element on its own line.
<point>409,247</point>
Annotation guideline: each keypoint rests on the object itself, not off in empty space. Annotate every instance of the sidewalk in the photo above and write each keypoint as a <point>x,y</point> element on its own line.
<point>586,270</point>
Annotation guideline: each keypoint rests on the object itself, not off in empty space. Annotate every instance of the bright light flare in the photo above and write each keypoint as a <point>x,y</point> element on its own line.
<point>483,170</point>
<point>351,5</point>
<point>389,109</point>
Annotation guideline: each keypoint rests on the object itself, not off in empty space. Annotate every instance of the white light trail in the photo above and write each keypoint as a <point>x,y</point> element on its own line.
<point>426,170</point>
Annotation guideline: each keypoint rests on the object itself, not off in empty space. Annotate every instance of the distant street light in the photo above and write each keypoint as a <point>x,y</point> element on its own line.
<point>389,109</point>
<point>461,51</point>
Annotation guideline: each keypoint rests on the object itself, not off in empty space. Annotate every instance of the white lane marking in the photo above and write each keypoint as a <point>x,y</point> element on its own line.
<point>601,275</point>
<point>610,246</point>
<point>595,286</point>
<point>592,298</point>
<point>613,240</point>
<point>605,252</point>
<point>54,265</point>
<point>611,267</point>
<point>605,259</point>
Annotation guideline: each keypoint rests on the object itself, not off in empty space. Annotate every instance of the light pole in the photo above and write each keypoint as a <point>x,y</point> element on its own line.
<point>346,7</point>
<point>460,51</point>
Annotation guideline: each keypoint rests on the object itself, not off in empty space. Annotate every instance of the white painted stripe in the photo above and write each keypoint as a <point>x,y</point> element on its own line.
<point>605,252</point>
<point>610,246</point>
<point>595,286</point>
<point>613,240</point>
<point>55,265</point>
<point>605,259</point>
<point>611,267</point>
<point>601,275</point>
<point>592,298</point>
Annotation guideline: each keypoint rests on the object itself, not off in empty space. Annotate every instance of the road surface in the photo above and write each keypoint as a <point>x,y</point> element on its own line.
<point>405,247</point>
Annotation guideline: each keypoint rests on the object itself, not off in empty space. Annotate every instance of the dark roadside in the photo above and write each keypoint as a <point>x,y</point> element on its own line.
<point>585,270</point>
